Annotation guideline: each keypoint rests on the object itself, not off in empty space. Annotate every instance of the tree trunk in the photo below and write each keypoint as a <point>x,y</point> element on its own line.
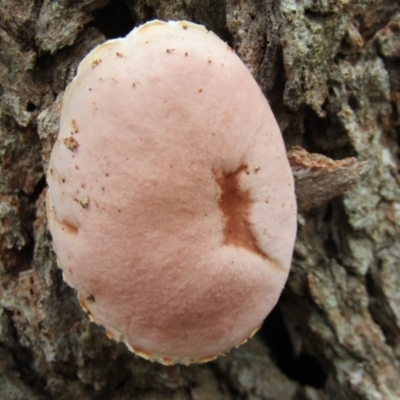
<point>331,72</point>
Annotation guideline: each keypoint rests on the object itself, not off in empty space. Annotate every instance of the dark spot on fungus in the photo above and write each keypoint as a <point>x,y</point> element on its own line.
<point>90,298</point>
<point>70,143</point>
<point>184,26</point>
<point>235,204</point>
<point>169,51</point>
<point>95,63</point>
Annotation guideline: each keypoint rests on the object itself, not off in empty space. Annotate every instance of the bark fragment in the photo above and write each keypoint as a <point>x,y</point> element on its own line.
<point>319,178</point>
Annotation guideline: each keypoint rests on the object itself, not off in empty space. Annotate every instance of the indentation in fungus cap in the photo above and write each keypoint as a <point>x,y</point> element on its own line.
<point>172,206</point>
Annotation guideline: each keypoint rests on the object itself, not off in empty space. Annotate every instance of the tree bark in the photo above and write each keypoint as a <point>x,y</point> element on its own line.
<point>331,72</point>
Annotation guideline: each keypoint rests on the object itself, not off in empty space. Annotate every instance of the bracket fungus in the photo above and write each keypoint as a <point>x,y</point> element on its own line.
<point>171,201</point>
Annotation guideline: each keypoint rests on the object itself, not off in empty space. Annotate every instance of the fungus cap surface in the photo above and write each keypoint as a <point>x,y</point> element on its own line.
<point>171,201</point>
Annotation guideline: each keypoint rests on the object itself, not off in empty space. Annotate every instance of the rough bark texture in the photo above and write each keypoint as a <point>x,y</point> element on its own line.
<point>331,71</point>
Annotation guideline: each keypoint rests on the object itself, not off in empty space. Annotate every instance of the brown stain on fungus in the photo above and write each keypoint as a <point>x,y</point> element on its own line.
<point>235,205</point>
<point>95,63</point>
<point>141,352</point>
<point>70,228</point>
<point>70,143</point>
<point>74,126</point>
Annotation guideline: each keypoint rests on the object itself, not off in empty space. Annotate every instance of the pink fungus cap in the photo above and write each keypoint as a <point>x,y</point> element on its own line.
<point>171,201</point>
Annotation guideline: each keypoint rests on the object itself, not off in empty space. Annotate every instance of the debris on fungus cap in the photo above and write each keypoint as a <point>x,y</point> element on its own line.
<point>171,201</point>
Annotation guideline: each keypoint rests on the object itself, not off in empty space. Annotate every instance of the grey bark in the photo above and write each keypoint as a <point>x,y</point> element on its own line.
<point>331,72</point>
